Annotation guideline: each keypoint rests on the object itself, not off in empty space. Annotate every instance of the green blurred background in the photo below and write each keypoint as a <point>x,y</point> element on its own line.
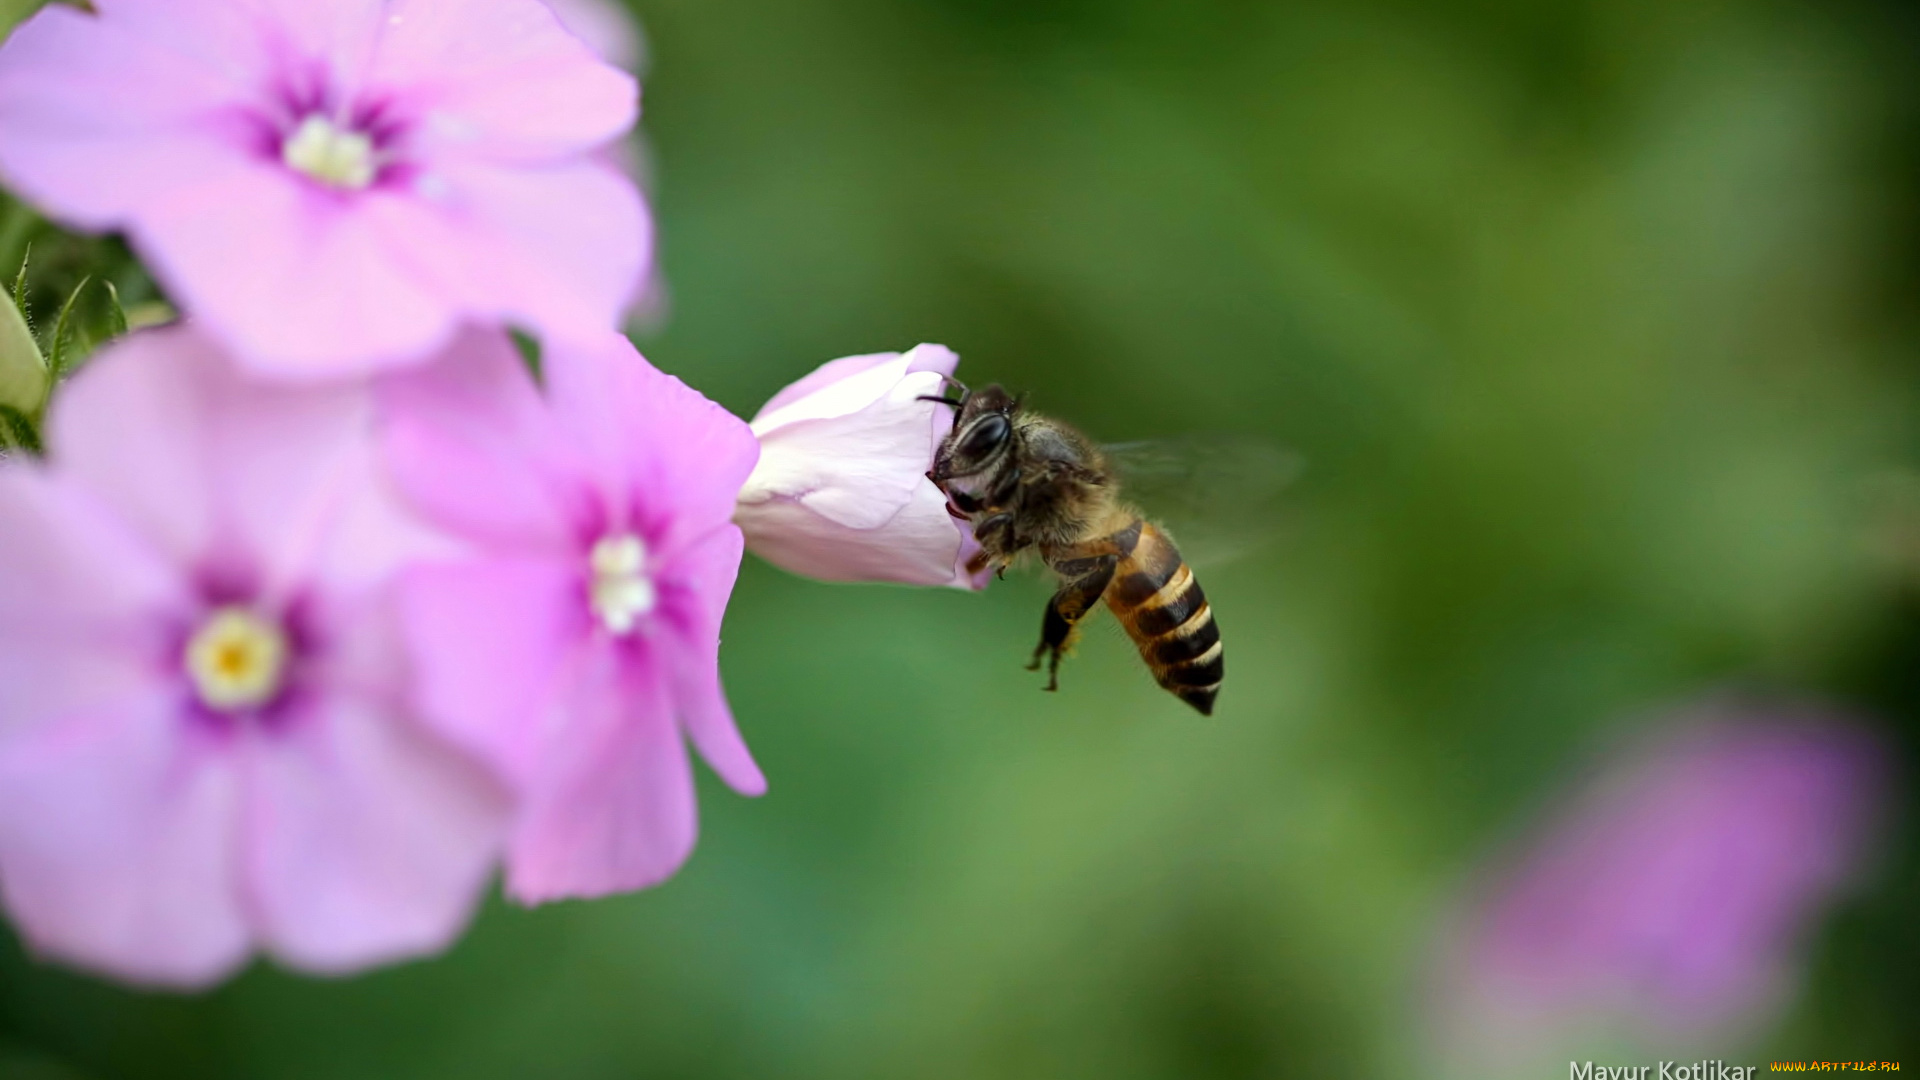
<point>1594,322</point>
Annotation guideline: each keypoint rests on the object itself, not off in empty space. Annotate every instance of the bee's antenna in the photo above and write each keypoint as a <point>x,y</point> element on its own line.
<point>944,399</point>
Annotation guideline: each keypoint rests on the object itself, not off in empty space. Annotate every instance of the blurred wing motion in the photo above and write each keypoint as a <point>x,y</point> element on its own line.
<point>1219,496</point>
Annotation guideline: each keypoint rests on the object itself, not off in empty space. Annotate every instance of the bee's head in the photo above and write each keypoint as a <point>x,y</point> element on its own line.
<point>982,434</point>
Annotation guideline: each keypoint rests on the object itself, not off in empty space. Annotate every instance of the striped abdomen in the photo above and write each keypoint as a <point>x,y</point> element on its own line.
<point>1154,595</point>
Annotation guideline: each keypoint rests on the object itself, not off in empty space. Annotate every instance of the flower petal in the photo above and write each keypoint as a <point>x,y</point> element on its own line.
<point>489,639</point>
<point>196,458</point>
<point>615,810</point>
<point>919,545</point>
<point>673,462</point>
<point>563,248</point>
<point>97,116</point>
<point>339,34</point>
<point>963,576</point>
<point>849,384</point>
<point>835,388</point>
<point>116,845</point>
<point>301,281</point>
<point>77,596</point>
<point>502,79</point>
<point>858,470</point>
<point>472,445</point>
<point>367,841</point>
<point>705,574</point>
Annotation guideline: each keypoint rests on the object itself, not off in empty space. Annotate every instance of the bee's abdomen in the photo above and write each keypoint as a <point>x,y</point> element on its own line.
<point>1155,596</point>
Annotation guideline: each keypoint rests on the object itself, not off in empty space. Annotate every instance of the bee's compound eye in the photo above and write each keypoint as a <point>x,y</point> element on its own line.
<point>985,436</point>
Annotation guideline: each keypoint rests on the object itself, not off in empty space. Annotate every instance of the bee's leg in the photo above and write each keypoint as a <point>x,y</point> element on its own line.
<point>1000,536</point>
<point>1087,579</point>
<point>993,524</point>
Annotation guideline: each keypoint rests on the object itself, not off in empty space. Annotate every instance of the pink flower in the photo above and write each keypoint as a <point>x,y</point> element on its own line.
<point>575,650</point>
<point>1670,896</point>
<point>841,492</point>
<point>335,186</point>
<point>203,743</point>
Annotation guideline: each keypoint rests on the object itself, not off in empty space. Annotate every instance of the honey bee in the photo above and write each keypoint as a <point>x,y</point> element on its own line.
<point>1024,482</point>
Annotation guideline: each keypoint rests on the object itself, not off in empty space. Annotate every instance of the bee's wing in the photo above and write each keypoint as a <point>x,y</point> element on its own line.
<point>1218,495</point>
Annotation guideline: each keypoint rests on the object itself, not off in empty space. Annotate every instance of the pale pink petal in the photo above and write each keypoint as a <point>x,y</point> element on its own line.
<point>672,460</point>
<point>502,79</point>
<point>127,426</point>
<point>248,42</point>
<point>489,639</point>
<point>834,373</point>
<point>963,577</point>
<point>472,445</point>
<point>859,469</point>
<point>256,45</point>
<point>97,118</point>
<point>116,835</point>
<point>851,383</point>
<point>365,841</point>
<point>929,357</point>
<point>919,545</point>
<point>67,562</point>
<point>203,462</point>
<point>369,533</point>
<point>340,34</point>
<point>300,280</point>
<point>705,575</point>
<point>563,247</point>
<point>616,809</point>
<point>77,623</point>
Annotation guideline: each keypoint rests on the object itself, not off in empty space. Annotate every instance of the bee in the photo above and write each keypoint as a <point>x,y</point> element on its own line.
<point>1024,482</point>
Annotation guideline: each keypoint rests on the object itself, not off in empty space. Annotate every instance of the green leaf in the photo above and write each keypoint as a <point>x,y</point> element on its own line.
<point>20,287</point>
<point>15,12</point>
<point>530,352</point>
<point>18,430</point>
<point>23,371</point>
<point>57,359</point>
<point>116,315</point>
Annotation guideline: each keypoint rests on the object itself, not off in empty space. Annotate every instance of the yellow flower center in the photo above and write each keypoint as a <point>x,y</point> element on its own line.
<point>236,659</point>
<point>621,591</point>
<point>335,156</point>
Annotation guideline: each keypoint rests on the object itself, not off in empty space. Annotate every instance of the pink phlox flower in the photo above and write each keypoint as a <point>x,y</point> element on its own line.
<point>841,492</point>
<point>204,743</point>
<point>579,649</point>
<point>1671,896</point>
<point>335,186</point>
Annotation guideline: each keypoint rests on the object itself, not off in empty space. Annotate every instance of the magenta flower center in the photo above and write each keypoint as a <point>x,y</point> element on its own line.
<point>330,153</point>
<point>236,659</point>
<point>621,592</point>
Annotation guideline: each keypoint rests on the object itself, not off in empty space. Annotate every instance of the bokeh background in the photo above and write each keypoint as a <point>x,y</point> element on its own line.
<point>1594,321</point>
